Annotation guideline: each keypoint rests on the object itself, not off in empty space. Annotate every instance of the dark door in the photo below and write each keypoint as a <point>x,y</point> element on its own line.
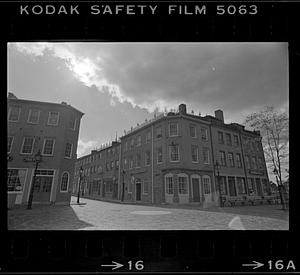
<point>196,191</point>
<point>258,187</point>
<point>138,191</point>
<point>231,183</point>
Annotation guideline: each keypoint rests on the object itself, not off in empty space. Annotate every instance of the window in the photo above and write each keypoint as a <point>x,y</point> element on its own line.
<point>72,123</point>
<point>169,185</point>
<point>125,163</point>
<point>100,169</point>
<point>236,140</point>
<point>231,159</point>
<point>117,164</point>
<point>260,163</point>
<point>231,184</point>
<point>247,160</point>
<point>159,155</point>
<point>205,155</point>
<point>206,184</point>
<point>146,186</point>
<point>241,186</point>
<point>228,139</point>
<point>33,116</point>
<point>131,163</point>
<point>9,143</point>
<point>193,132</point>
<point>108,187</point>
<point>222,158</point>
<point>238,160</point>
<point>194,151</point>
<point>222,185</point>
<point>131,143</point>
<point>130,183</point>
<point>68,151</point>
<point>147,158</point>
<point>158,132</point>
<point>48,147</point>
<point>14,114</point>
<point>139,141</point>
<point>53,118</point>
<point>182,185</point>
<point>138,160</point>
<point>173,129</point>
<point>204,135</point>
<point>254,163</point>
<point>174,153</point>
<point>64,182</point>
<point>148,136</point>
<point>126,146</point>
<point>43,182</point>
<point>27,145</point>
<point>15,179</point>
<point>220,137</point>
<point>112,164</point>
<point>251,186</point>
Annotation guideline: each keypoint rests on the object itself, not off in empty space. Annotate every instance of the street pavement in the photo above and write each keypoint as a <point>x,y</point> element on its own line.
<point>100,215</point>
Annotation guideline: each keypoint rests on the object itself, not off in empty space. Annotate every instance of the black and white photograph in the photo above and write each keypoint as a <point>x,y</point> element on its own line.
<point>148,136</point>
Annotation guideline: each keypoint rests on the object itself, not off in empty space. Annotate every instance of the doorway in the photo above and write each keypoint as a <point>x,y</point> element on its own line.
<point>196,188</point>
<point>138,191</point>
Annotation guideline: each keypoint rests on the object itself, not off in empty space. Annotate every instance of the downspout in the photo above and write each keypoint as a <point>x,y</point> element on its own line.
<point>152,159</point>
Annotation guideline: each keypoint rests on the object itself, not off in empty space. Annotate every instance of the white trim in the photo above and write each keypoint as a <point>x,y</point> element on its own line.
<point>170,159</point>
<point>19,192</point>
<point>8,152</point>
<point>183,175</point>
<point>71,152</point>
<point>177,130</point>
<point>169,175</point>
<point>64,191</point>
<point>206,133</point>
<point>208,155</point>
<point>48,155</point>
<point>49,118</point>
<point>29,114</point>
<point>161,155</point>
<point>197,147</point>
<point>195,127</point>
<point>209,178</point>
<point>21,152</point>
<point>9,111</point>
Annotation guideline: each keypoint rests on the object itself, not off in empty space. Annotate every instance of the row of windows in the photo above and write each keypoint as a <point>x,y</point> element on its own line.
<point>228,139</point>
<point>237,186</point>
<point>254,162</point>
<point>173,132</point>
<point>231,159</point>
<point>48,146</point>
<point>44,178</point>
<point>98,169</point>
<point>34,117</point>
<point>251,145</point>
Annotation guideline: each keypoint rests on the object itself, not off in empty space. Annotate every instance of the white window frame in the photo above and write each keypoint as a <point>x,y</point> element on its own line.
<point>147,181</point>
<point>206,133</point>
<point>11,145</point>
<point>197,150</point>
<point>75,122</point>
<point>29,115</point>
<point>65,191</point>
<point>25,179</point>
<point>232,159</point>
<point>175,135</point>
<point>49,118</point>
<point>147,136</point>
<point>208,155</point>
<point>193,126</point>
<point>170,153</point>
<point>130,183</point>
<point>10,108</point>
<point>238,160</point>
<point>162,157</point>
<point>172,177</point>
<point>138,141</point>
<point>71,151</point>
<point>182,175</point>
<point>206,177</point>
<point>48,155</point>
<point>21,153</point>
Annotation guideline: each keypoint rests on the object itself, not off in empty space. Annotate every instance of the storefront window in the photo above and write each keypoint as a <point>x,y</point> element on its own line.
<point>15,179</point>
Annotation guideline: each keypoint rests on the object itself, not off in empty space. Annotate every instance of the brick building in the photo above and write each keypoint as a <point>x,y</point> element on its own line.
<point>53,130</point>
<point>179,158</point>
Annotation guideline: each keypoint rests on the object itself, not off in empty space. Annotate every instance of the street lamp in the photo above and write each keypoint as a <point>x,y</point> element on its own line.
<point>217,170</point>
<point>37,159</point>
<point>79,184</point>
<point>279,186</point>
<point>123,185</point>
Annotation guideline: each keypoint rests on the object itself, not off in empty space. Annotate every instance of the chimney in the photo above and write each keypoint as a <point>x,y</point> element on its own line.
<point>182,109</point>
<point>219,115</point>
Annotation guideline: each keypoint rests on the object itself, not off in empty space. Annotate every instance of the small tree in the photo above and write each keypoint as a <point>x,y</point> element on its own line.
<point>274,129</point>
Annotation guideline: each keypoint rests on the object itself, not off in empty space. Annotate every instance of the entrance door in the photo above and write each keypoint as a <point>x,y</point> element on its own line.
<point>196,189</point>
<point>258,187</point>
<point>138,191</point>
<point>42,188</point>
<point>231,183</point>
<point>207,189</point>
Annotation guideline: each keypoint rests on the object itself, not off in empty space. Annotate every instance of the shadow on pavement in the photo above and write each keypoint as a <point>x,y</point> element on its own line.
<point>45,217</point>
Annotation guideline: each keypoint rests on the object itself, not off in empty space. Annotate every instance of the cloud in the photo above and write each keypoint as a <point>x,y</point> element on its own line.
<point>206,76</point>
<point>84,147</point>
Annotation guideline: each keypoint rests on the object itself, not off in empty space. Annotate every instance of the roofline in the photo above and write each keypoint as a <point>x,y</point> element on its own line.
<point>17,100</point>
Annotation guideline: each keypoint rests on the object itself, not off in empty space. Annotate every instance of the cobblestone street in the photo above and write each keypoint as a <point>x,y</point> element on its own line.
<point>99,215</point>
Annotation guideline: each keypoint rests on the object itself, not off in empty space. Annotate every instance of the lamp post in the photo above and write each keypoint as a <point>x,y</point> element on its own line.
<point>217,170</point>
<point>37,159</point>
<point>123,185</point>
<point>275,171</point>
<point>79,184</point>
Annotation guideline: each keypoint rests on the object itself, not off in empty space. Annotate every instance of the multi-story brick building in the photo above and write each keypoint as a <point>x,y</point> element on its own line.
<point>53,130</point>
<point>184,158</point>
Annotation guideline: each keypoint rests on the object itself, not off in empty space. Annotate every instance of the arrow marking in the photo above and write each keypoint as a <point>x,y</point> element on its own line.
<point>255,264</point>
<point>114,265</point>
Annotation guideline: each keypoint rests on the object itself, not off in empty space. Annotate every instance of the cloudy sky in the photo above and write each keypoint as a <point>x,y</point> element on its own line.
<point>118,85</point>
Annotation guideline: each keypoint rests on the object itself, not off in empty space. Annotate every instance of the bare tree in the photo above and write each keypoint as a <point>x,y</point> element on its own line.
<point>274,129</point>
